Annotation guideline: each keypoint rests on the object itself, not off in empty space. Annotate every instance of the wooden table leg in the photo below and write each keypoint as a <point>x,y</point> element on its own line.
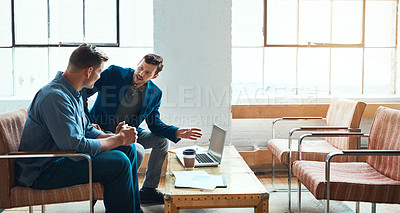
<point>262,206</point>
<point>169,206</point>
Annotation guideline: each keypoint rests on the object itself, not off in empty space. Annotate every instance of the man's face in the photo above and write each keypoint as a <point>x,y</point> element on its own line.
<point>95,75</point>
<point>144,73</point>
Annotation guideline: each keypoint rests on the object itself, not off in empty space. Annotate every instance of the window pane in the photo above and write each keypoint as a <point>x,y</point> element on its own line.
<point>5,23</point>
<point>247,23</point>
<point>282,21</point>
<point>136,23</point>
<point>6,80</point>
<point>313,73</point>
<point>58,60</point>
<point>247,76</point>
<point>31,22</point>
<point>379,63</point>
<point>66,22</point>
<point>314,21</point>
<point>101,22</point>
<point>125,57</point>
<point>280,71</point>
<point>30,70</point>
<point>380,23</point>
<point>347,22</point>
<point>346,71</point>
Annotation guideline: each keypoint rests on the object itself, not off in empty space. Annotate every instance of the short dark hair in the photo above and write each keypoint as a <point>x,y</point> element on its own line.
<point>155,60</point>
<point>87,55</point>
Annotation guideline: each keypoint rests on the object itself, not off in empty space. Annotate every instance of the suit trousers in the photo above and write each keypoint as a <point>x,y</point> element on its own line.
<point>159,146</point>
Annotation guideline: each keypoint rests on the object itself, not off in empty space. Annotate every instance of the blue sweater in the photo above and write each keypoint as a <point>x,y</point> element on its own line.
<point>55,122</point>
<point>112,86</point>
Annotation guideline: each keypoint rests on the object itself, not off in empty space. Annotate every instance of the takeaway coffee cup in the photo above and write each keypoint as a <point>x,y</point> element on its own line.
<point>189,157</point>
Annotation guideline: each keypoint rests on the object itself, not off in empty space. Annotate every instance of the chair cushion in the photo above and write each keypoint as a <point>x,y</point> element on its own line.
<point>315,150</point>
<point>344,112</point>
<point>23,196</point>
<point>384,135</point>
<point>349,181</point>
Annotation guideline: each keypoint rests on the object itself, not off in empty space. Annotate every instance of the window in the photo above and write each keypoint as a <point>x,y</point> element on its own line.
<point>65,23</point>
<point>38,41</point>
<point>312,49</point>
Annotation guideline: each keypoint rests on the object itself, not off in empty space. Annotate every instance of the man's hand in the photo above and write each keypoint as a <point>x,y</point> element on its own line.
<point>119,127</point>
<point>189,133</point>
<point>96,126</point>
<point>128,134</point>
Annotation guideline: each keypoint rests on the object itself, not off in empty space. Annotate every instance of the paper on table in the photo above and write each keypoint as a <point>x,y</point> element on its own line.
<point>197,179</point>
<point>195,147</point>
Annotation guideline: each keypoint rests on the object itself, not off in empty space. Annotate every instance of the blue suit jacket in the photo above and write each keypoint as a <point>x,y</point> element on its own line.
<point>111,88</point>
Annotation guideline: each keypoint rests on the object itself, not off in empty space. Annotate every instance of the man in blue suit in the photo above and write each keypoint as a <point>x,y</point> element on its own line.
<point>129,95</point>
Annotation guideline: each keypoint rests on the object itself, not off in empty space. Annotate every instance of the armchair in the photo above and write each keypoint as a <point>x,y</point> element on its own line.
<point>342,115</point>
<point>12,195</point>
<point>377,180</point>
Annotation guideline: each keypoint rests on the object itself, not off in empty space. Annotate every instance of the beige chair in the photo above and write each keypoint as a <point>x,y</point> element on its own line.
<point>377,180</point>
<point>343,114</point>
<point>12,195</point>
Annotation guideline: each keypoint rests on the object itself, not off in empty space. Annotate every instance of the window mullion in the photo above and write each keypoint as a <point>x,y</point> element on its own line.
<point>297,49</point>
<point>13,44</point>
<point>12,23</point>
<point>48,21</point>
<point>265,23</point>
<point>84,20</point>
<point>363,54</point>
<point>394,70</point>
<point>330,53</point>
<point>117,13</point>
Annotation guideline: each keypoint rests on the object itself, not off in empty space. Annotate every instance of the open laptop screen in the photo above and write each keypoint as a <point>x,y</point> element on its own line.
<point>217,142</point>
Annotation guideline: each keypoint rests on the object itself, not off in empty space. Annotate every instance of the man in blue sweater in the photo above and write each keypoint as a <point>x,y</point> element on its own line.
<point>129,95</point>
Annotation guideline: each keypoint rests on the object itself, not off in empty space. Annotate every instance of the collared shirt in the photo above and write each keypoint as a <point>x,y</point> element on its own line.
<point>130,107</point>
<point>56,122</point>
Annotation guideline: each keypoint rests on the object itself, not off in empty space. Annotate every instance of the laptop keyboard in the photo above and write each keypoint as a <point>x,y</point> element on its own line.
<point>203,158</point>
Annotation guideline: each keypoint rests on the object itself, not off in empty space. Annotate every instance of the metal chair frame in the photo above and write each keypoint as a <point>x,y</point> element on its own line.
<point>275,189</point>
<point>13,155</point>
<point>289,163</point>
<point>331,155</point>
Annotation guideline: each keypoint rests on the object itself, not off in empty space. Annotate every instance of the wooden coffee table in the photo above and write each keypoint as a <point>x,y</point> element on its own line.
<point>244,189</point>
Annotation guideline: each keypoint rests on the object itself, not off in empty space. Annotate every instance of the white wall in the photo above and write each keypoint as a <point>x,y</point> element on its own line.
<point>8,104</point>
<point>194,37</point>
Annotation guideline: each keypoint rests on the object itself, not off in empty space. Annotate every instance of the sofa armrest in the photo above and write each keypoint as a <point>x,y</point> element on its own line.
<point>296,118</point>
<point>328,134</point>
<point>292,119</point>
<point>39,153</point>
<point>354,153</point>
<point>316,128</point>
<point>13,155</point>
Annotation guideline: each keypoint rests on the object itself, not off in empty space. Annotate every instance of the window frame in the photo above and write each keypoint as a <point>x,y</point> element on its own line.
<point>334,45</point>
<point>63,44</point>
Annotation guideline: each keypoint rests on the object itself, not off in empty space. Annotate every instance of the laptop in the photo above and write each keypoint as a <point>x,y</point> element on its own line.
<point>213,155</point>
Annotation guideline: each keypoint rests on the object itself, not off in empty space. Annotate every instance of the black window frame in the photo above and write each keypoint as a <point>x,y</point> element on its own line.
<point>64,44</point>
